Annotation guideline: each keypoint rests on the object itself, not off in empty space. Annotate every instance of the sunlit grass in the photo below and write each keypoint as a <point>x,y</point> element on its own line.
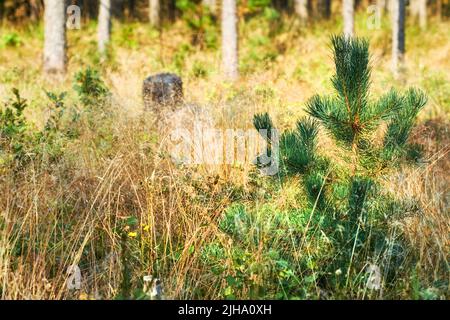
<point>112,202</point>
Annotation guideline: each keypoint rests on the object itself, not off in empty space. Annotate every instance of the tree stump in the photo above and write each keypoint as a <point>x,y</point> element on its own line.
<point>182,127</point>
<point>162,92</point>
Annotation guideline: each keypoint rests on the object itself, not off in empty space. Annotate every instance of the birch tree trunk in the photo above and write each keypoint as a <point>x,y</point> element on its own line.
<point>422,7</point>
<point>348,8</point>
<point>229,40</point>
<point>301,9</point>
<point>154,10</point>
<point>55,36</point>
<point>104,26</point>
<point>398,35</point>
<point>439,9</point>
<point>390,4</point>
<point>381,7</point>
<point>414,8</point>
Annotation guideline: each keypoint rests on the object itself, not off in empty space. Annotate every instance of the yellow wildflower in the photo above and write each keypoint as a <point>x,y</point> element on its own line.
<point>83,296</point>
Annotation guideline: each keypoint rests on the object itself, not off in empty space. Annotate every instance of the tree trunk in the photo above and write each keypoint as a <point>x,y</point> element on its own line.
<point>398,35</point>
<point>104,26</point>
<point>172,10</point>
<point>131,8</point>
<point>2,10</point>
<point>55,36</point>
<point>325,8</point>
<point>422,7</point>
<point>89,9</point>
<point>414,8</point>
<point>313,8</point>
<point>301,9</point>
<point>118,9</point>
<point>348,12</point>
<point>154,13</point>
<point>229,40</point>
<point>35,9</point>
<point>381,7</point>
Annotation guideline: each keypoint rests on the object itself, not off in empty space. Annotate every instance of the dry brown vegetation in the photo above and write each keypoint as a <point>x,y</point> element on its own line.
<point>114,204</point>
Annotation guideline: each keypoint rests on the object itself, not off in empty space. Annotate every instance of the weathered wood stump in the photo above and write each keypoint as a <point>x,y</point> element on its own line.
<point>180,125</point>
<point>162,92</point>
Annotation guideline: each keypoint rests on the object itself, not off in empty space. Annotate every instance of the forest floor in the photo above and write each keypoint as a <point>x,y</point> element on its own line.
<point>99,193</point>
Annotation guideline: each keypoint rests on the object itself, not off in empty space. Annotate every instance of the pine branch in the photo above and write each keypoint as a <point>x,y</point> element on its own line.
<point>331,114</point>
<point>262,121</point>
<point>298,147</point>
<point>403,120</point>
<point>352,78</point>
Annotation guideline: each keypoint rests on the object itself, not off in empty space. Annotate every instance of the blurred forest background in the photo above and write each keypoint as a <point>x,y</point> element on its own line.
<point>93,207</point>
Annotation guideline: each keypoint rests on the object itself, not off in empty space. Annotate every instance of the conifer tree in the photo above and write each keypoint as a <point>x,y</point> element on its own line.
<point>351,117</point>
<point>344,194</point>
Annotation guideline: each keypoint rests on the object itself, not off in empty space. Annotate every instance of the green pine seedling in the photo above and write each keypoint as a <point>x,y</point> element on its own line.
<point>351,117</point>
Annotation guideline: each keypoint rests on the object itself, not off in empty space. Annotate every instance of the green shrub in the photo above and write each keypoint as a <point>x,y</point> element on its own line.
<point>11,40</point>
<point>201,22</point>
<point>90,87</point>
<point>13,128</point>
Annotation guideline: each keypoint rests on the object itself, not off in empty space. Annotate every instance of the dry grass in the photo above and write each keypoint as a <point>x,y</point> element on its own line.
<point>74,211</point>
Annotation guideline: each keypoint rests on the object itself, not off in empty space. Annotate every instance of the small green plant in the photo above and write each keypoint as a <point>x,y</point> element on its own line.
<point>199,70</point>
<point>90,87</point>
<point>57,112</point>
<point>13,127</point>
<point>11,40</point>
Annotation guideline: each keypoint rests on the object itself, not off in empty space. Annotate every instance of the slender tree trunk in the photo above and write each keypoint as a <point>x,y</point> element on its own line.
<point>348,12</point>
<point>313,8</point>
<point>439,9</point>
<point>154,10</point>
<point>390,4</point>
<point>2,10</point>
<point>131,8</point>
<point>325,8</point>
<point>104,26</point>
<point>89,8</point>
<point>229,40</point>
<point>301,9</point>
<point>118,9</point>
<point>398,35</point>
<point>414,8</point>
<point>422,6</point>
<point>55,36</point>
<point>34,10</point>
<point>172,10</point>
<point>381,7</point>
